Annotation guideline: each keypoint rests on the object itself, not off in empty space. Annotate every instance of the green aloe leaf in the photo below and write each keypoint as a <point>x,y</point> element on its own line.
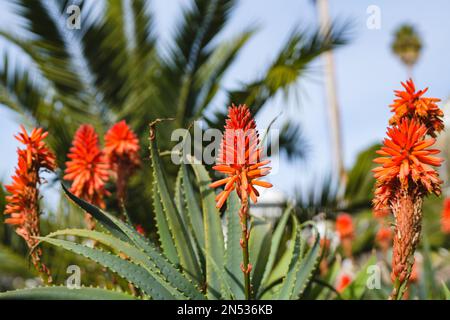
<point>180,235</point>
<point>259,247</point>
<point>288,283</point>
<point>178,199</point>
<point>275,244</point>
<point>165,236</point>
<point>193,210</point>
<point>276,277</point>
<point>170,272</point>
<point>167,278</point>
<point>225,289</point>
<point>233,255</point>
<point>307,267</point>
<point>134,273</point>
<point>135,254</point>
<point>302,265</point>
<point>214,243</point>
<point>96,213</point>
<point>181,205</point>
<point>64,293</point>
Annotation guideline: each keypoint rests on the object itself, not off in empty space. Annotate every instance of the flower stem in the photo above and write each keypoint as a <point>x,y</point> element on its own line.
<point>33,224</point>
<point>246,267</point>
<point>44,272</point>
<point>395,291</point>
<point>121,184</point>
<point>123,173</point>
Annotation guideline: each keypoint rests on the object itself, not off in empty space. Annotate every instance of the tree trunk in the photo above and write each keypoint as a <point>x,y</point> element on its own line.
<point>332,100</point>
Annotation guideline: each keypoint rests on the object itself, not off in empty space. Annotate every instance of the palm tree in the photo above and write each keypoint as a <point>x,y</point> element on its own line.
<point>407,45</point>
<point>326,197</point>
<point>103,72</point>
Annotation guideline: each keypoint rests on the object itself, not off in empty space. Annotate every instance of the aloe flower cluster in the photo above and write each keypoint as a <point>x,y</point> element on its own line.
<point>240,157</point>
<point>90,167</point>
<point>23,201</point>
<point>87,169</point>
<point>406,174</point>
<point>240,160</point>
<point>122,153</point>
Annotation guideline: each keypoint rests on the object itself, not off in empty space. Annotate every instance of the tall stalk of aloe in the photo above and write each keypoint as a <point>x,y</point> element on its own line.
<point>240,160</point>
<point>246,267</point>
<point>406,174</point>
<point>23,208</point>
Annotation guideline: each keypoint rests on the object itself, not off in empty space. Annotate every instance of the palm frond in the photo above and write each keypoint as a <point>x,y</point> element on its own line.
<point>104,46</point>
<point>143,24</point>
<point>292,142</point>
<point>360,182</point>
<point>19,90</point>
<point>291,63</point>
<point>209,75</point>
<point>49,49</point>
<point>321,197</point>
<point>330,195</point>
<point>201,22</point>
<point>199,26</point>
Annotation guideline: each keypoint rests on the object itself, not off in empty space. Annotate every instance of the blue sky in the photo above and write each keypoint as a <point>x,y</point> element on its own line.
<point>366,72</point>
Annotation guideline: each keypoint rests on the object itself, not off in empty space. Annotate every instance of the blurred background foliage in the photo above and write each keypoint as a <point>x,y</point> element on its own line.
<point>104,72</point>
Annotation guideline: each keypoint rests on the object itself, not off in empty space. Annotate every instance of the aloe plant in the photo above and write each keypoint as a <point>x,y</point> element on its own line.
<point>197,255</point>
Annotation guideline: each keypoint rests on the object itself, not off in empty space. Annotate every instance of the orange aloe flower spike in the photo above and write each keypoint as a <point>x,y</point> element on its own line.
<point>406,174</point>
<point>87,168</point>
<point>240,157</point>
<point>411,104</point>
<point>22,205</point>
<point>121,141</point>
<point>122,152</point>
<point>406,160</point>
